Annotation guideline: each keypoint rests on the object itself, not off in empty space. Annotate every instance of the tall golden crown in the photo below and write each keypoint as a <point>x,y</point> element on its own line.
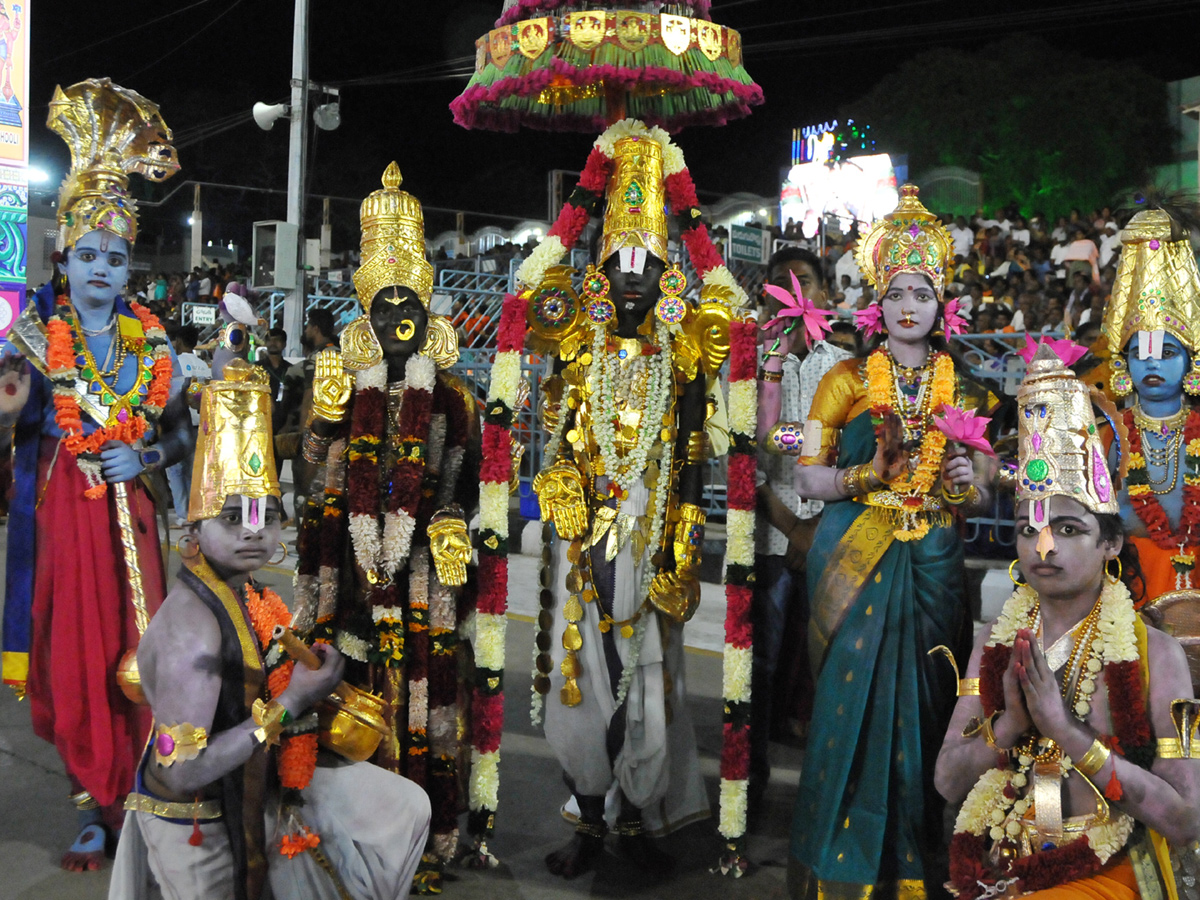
<point>111,132</point>
<point>393,242</point>
<point>636,215</point>
<point>1157,286</point>
<point>1060,450</point>
<point>909,239</point>
<point>235,452</point>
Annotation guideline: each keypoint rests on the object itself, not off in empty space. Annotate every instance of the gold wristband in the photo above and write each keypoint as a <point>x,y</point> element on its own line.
<point>959,499</point>
<point>270,719</point>
<point>1093,761</point>
<point>989,734</point>
<point>770,377</point>
<point>697,446</point>
<point>689,537</point>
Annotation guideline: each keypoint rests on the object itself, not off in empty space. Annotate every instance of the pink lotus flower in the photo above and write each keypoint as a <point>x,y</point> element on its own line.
<point>952,321</point>
<point>797,306</point>
<point>1066,349</point>
<point>868,320</point>
<point>966,428</point>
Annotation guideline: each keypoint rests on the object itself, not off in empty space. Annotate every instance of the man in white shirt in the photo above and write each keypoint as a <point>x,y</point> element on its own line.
<point>964,237</point>
<point>1110,243</point>
<point>788,380</point>
<point>846,265</point>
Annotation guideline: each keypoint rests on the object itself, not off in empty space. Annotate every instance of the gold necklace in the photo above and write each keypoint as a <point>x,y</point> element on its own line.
<point>1163,426</point>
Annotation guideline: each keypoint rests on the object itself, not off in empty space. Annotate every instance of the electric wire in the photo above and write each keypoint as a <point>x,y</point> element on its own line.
<point>120,34</point>
<point>195,34</point>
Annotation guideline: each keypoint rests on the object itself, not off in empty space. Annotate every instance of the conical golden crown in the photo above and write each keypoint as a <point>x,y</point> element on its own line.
<point>393,242</point>
<point>111,133</point>
<point>235,451</point>
<point>1157,286</point>
<point>636,215</point>
<point>1059,447</point>
<point>909,239</point>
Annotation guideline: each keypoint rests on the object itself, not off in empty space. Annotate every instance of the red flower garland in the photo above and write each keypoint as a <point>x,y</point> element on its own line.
<point>701,252</point>
<point>681,192</point>
<point>596,172</point>
<point>1147,506</point>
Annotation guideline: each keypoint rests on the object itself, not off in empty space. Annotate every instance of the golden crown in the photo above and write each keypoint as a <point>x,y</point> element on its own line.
<point>907,240</point>
<point>393,242</point>
<point>1157,286</point>
<point>636,215</point>
<point>1060,450</point>
<point>235,452</point>
<point>111,133</point>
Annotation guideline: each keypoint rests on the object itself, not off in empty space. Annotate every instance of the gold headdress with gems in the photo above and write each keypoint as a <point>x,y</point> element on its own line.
<point>909,239</point>
<point>1060,450</point>
<point>393,243</point>
<point>235,452</point>
<point>1157,286</point>
<point>636,215</point>
<point>112,132</point>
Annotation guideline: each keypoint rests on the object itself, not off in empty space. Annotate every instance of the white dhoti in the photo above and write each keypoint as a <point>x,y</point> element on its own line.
<point>373,827</point>
<point>657,766</point>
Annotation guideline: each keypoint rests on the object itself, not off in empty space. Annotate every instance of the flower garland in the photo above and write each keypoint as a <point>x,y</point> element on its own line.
<point>1182,544</point>
<point>739,568</point>
<point>382,539</point>
<point>487,710</point>
<point>297,758</point>
<point>994,810</point>
<point>585,200</point>
<point>881,397</point>
<point>64,356</point>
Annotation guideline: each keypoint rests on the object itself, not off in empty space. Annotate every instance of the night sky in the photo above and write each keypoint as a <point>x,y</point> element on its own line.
<point>206,62</point>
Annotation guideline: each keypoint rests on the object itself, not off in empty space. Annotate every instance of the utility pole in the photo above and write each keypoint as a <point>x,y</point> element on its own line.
<point>293,303</point>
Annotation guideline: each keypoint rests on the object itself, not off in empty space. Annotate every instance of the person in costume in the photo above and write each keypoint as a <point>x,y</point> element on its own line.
<point>884,574</point>
<point>97,414</point>
<point>1069,734</point>
<point>626,411</point>
<point>238,785</point>
<point>1151,328</point>
<point>384,550</point>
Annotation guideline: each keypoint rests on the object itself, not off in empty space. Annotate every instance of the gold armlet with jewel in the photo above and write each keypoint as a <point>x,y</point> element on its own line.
<point>178,743</point>
<point>689,538</point>
<point>1186,743</point>
<point>271,718</point>
<point>786,439</point>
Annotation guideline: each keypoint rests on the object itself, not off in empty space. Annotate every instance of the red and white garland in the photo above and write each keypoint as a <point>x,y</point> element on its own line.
<point>585,200</point>
<point>487,709</point>
<point>739,568</point>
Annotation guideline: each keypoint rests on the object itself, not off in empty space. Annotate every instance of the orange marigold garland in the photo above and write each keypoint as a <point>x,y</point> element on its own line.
<point>64,355</point>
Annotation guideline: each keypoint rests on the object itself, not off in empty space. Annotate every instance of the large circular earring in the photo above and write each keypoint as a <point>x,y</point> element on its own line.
<point>1011,577</point>
<point>187,546</point>
<point>671,307</point>
<point>1191,381</point>
<point>1122,384</point>
<point>598,307</point>
<point>1113,579</point>
<point>275,562</point>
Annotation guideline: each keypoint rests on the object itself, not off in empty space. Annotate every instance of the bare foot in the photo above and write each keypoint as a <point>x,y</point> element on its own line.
<point>643,851</point>
<point>87,853</point>
<point>578,856</point>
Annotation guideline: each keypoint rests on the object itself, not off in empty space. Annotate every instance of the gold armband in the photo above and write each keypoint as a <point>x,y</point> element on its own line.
<point>968,687</point>
<point>1185,716</point>
<point>966,496</point>
<point>178,743</point>
<point>1172,748</point>
<point>1093,761</point>
<point>271,718</point>
<point>786,439</point>
<point>689,537</point>
<point>698,448</point>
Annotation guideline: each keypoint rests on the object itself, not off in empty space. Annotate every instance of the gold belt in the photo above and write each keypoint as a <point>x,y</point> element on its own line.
<point>893,500</point>
<point>169,809</point>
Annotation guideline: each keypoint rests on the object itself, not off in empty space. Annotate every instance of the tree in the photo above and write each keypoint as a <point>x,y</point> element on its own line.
<point>1046,129</point>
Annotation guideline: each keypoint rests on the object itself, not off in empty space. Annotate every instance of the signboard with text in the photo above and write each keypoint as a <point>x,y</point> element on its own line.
<point>749,244</point>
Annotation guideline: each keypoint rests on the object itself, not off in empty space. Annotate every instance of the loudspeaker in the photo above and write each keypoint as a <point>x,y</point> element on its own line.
<point>265,114</point>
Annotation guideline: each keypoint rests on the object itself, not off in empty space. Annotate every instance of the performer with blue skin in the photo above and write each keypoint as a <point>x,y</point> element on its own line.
<point>84,564</point>
<point>1151,325</point>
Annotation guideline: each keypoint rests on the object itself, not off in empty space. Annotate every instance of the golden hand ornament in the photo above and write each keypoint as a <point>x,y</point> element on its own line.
<point>331,386</point>
<point>675,595</point>
<point>560,494</point>
<point>450,547</point>
<point>689,538</point>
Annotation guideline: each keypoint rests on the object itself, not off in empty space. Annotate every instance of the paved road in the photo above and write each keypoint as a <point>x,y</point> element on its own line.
<point>37,822</point>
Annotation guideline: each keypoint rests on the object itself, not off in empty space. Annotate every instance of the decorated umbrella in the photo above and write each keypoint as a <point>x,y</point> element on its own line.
<point>553,65</point>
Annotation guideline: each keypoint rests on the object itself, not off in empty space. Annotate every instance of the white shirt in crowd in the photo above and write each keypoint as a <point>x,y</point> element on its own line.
<point>964,240</point>
<point>1020,236</point>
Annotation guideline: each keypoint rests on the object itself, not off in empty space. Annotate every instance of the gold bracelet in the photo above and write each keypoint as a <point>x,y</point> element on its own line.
<point>989,734</point>
<point>271,718</point>
<point>770,377</point>
<point>1172,748</point>
<point>847,478</point>
<point>689,537</point>
<point>959,499</point>
<point>697,447</point>
<point>865,473</point>
<point>1093,761</point>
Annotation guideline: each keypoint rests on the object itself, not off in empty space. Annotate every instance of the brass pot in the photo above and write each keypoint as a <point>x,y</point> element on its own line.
<point>351,723</point>
<point>129,679</point>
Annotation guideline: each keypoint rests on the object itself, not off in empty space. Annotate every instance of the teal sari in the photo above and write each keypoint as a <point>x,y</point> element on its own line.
<point>868,820</point>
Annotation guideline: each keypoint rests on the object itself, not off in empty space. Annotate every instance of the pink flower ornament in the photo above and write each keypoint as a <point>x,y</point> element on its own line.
<point>952,321</point>
<point>964,427</point>
<point>797,306</point>
<point>868,320</point>
<point>1066,349</point>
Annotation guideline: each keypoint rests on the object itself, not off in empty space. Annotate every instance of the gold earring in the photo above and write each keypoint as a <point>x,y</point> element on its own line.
<point>187,540</point>
<point>1120,571</point>
<point>1011,578</point>
<point>405,330</point>
<point>275,562</point>
<point>671,307</point>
